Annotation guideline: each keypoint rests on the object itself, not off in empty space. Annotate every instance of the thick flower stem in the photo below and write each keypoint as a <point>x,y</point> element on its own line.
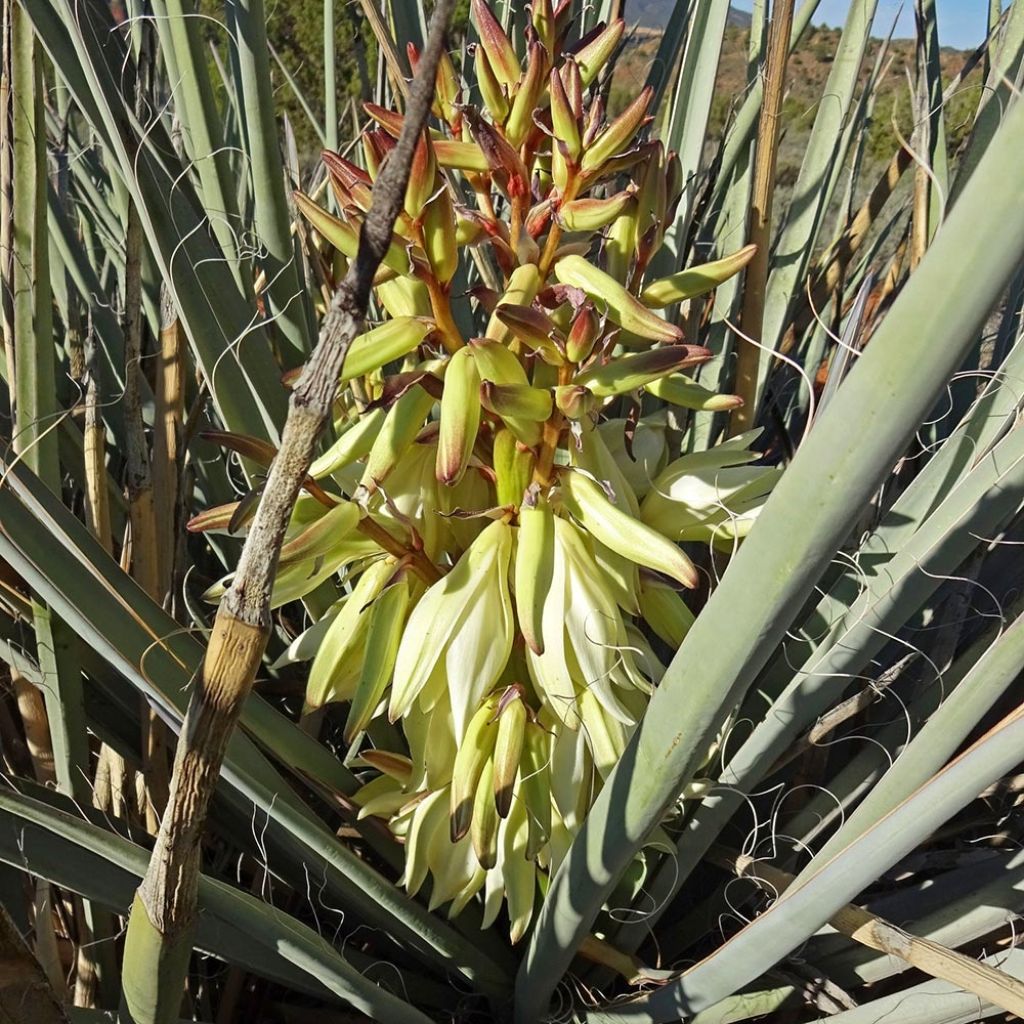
<point>440,304</point>
<point>547,259</point>
<point>551,436</point>
<point>416,557</point>
<point>548,447</point>
<point>553,428</point>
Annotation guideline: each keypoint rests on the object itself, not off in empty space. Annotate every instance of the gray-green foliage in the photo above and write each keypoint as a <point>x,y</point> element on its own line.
<point>885,563</point>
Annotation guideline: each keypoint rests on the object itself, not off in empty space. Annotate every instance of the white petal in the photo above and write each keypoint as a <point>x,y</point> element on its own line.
<point>494,886</point>
<point>430,815</point>
<point>570,776</point>
<point>336,667</point>
<point>439,754</point>
<point>479,648</point>
<point>549,671</point>
<point>520,875</point>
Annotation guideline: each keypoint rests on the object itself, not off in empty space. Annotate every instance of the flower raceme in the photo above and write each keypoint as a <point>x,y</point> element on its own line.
<point>503,501</point>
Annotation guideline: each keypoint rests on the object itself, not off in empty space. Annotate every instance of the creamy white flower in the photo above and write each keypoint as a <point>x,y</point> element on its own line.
<point>459,636</point>
<point>711,496</point>
<point>585,644</point>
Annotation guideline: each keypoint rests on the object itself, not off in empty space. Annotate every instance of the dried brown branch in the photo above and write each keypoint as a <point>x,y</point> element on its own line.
<point>842,712</point>
<point>97,500</point>
<point>168,426</point>
<point>748,355</point>
<point>166,901</point>
<point>988,983</point>
<point>396,72</point>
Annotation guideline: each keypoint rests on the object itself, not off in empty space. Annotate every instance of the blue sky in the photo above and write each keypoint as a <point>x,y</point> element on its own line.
<point>962,23</point>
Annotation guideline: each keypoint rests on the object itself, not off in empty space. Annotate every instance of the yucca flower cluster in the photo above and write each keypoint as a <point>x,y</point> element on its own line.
<point>505,522</point>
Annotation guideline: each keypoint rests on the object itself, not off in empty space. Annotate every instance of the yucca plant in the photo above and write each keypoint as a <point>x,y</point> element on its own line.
<point>494,547</point>
<point>578,566</point>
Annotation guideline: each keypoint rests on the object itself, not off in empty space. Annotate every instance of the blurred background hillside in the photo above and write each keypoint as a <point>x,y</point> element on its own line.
<point>808,70</point>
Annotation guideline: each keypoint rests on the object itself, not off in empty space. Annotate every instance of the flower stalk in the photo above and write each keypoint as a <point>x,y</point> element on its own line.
<point>481,498</point>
